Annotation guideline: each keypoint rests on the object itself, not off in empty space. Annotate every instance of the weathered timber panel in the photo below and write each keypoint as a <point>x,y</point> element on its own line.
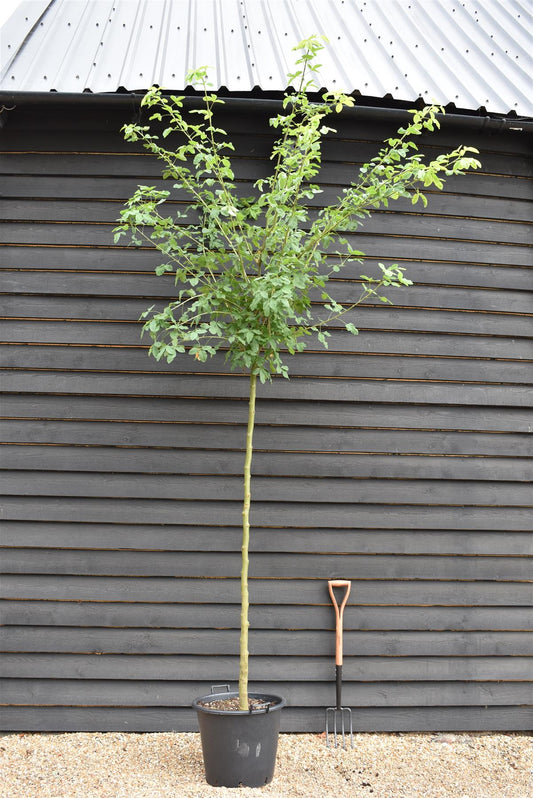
<point>46,692</point>
<point>400,459</point>
<point>295,718</point>
<point>156,589</point>
<point>169,537</point>
<point>266,616</point>
<point>91,666</point>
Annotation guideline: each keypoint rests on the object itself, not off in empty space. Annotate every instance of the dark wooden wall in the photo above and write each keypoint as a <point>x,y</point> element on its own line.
<point>398,459</point>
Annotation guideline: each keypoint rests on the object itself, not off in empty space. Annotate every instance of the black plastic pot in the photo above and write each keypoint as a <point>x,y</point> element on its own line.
<point>239,747</point>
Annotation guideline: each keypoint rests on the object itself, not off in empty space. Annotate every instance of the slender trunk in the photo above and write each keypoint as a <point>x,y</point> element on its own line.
<point>243,663</point>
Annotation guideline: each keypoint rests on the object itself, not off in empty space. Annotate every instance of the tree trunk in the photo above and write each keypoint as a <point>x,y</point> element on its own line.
<point>243,662</point>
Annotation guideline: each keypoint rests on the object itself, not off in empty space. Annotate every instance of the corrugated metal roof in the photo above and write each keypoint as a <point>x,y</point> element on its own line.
<point>475,53</point>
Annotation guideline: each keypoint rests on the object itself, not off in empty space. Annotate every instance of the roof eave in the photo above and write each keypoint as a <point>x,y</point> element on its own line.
<point>473,120</point>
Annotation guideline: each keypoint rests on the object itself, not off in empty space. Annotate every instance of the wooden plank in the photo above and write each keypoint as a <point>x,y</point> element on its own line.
<point>341,159</point>
<point>395,221</point>
<point>150,288</point>
<point>218,436</point>
<point>305,364</point>
<point>62,692</point>
<point>421,272</point>
<point>143,719</point>
<point>264,642</point>
<point>385,317</point>
<point>355,138</point>
<point>496,152</point>
<point>484,243</point>
<point>69,178</point>
<point>202,616</point>
<point>162,668</point>
<point>267,489</point>
<point>22,135</point>
<point>296,413</point>
<point>298,565</point>
<point>380,719</point>
<point>382,592</point>
<point>95,210</point>
<point>148,537</point>
<point>473,273</point>
<point>80,259</point>
<point>267,514</point>
<point>235,386</point>
<point>370,343</point>
<point>103,459</point>
<point>335,151</point>
<point>432,225</point>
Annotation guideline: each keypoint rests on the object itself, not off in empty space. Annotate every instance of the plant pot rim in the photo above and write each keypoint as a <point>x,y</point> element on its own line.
<point>279,704</point>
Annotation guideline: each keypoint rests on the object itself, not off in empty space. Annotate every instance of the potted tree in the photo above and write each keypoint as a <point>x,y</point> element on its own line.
<point>251,279</point>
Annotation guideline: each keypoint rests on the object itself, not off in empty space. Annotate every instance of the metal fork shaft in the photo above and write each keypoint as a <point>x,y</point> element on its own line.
<point>338,685</point>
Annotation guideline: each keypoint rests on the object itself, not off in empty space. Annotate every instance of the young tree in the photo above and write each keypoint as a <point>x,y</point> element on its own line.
<point>247,268</point>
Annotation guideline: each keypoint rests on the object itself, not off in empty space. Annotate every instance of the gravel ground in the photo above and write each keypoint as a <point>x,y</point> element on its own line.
<point>170,766</point>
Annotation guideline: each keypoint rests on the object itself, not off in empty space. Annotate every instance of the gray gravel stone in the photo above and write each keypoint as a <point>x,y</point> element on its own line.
<point>119,765</point>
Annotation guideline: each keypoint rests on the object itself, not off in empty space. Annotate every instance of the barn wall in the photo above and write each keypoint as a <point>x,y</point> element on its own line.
<point>398,459</point>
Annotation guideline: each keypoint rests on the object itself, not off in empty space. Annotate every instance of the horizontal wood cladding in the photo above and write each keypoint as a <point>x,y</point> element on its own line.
<point>121,157</point>
<point>379,342</point>
<point>347,415</point>
<point>293,514</point>
<point>294,719</point>
<point>201,642</point>
<point>167,460</point>
<point>296,439</point>
<point>342,158</point>
<point>379,390</point>
<point>264,616</point>
<point>269,489</point>
<point>400,458</point>
<point>106,211</point>
<point>383,592</point>
<point>61,692</point>
<point>169,537</point>
<point>305,364</point>
<point>310,669</point>
<point>110,284</point>
<point>102,187</point>
<point>382,225</point>
<point>376,347</point>
<point>341,162</point>
<point>108,314</point>
<point>436,260</point>
<point>299,565</point>
<point>385,247</point>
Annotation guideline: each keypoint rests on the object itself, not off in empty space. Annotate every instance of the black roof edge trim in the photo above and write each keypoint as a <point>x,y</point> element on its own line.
<point>470,119</point>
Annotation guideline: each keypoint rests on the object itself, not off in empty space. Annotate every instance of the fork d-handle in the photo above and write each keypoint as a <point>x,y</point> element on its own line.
<point>339,613</point>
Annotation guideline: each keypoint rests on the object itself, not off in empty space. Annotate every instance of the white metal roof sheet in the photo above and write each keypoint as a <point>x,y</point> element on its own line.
<point>471,53</point>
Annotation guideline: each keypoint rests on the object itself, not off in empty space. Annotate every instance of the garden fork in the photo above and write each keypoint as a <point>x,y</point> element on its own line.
<point>339,718</point>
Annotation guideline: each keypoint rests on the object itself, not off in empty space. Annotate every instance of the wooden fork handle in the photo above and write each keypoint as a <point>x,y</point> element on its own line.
<point>339,612</point>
